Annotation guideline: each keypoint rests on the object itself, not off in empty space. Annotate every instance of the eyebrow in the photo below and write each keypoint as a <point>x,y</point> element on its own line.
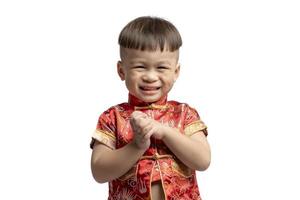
<point>164,62</point>
<point>136,61</point>
<point>139,60</point>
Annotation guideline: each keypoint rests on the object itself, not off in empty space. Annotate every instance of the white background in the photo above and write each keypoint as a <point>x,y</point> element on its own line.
<point>240,62</point>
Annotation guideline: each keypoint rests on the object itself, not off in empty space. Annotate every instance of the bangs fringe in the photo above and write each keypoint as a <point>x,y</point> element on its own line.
<point>150,33</point>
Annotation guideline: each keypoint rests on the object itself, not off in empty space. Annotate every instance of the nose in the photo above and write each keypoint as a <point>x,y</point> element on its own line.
<point>150,76</point>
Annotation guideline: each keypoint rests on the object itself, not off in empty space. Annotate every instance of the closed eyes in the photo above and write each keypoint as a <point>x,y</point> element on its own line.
<point>162,68</point>
<point>142,67</point>
<point>139,67</point>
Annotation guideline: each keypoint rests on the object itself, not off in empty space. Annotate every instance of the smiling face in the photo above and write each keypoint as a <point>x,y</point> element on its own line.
<point>148,75</point>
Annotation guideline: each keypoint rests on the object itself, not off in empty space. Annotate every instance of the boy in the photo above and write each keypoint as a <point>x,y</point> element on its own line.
<point>149,148</point>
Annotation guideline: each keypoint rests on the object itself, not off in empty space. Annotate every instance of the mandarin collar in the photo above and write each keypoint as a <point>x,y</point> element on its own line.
<point>139,104</point>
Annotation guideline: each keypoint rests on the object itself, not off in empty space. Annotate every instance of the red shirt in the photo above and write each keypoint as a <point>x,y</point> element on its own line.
<point>158,162</point>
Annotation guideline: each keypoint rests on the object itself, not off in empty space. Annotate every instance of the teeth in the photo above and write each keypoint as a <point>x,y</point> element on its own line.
<point>150,88</point>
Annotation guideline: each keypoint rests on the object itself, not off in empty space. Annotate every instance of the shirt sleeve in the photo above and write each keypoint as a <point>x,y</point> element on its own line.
<point>105,132</point>
<point>193,123</point>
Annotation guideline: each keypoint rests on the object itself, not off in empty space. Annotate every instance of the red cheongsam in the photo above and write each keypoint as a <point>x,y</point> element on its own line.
<point>158,162</point>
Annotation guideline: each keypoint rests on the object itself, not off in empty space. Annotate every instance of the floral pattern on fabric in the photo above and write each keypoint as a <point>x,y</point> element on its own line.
<point>158,162</point>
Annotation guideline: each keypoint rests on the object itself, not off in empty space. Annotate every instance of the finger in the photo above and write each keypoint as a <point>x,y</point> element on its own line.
<point>143,122</point>
<point>143,115</point>
<point>137,114</point>
<point>137,123</point>
<point>143,140</point>
<point>141,125</point>
<point>148,134</point>
<point>135,120</point>
<point>134,116</point>
<point>146,127</point>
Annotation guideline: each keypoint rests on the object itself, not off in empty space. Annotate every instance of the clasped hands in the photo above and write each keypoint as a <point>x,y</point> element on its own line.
<point>144,127</point>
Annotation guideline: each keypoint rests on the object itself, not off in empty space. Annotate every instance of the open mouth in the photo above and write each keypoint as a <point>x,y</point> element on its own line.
<point>145,88</point>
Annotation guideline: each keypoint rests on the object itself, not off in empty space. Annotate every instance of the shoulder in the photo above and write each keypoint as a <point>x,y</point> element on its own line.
<point>180,105</point>
<point>112,112</point>
<point>189,112</point>
<point>117,108</point>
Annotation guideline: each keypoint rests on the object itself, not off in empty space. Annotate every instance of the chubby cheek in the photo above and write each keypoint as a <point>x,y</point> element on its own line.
<point>131,81</point>
<point>168,83</point>
<point>168,87</point>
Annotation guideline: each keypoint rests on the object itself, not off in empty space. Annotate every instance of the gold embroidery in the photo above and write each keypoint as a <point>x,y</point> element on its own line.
<point>150,183</point>
<point>106,133</point>
<point>151,107</point>
<point>162,181</point>
<point>156,156</point>
<point>194,127</point>
<point>182,169</point>
<point>105,137</point>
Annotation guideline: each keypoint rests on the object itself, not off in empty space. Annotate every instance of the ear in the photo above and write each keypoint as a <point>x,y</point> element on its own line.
<point>177,72</point>
<point>120,70</point>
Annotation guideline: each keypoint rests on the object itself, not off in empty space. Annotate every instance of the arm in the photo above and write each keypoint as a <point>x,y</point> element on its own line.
<point>108,164</point>
<point>193,151</point>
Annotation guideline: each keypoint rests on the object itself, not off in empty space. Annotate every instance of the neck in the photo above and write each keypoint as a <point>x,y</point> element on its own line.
<point>134,101</point>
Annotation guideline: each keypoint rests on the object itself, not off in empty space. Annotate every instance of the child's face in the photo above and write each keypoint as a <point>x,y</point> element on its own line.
<point>149,75</point>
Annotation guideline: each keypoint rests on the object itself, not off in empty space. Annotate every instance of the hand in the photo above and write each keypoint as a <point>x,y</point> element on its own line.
<point>144,127</point>
<point>155,129</point>
<point>138,122</point>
